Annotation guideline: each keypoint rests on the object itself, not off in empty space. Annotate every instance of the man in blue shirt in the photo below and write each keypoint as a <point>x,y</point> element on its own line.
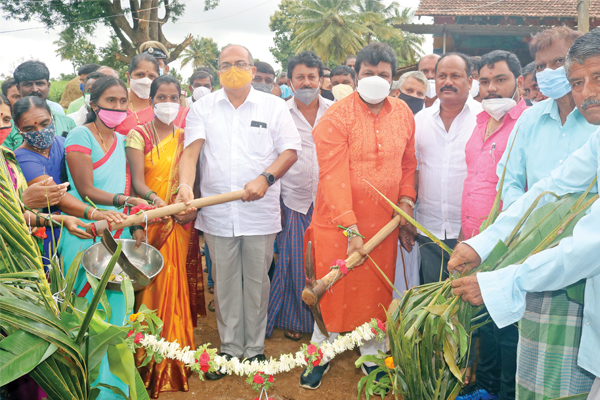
<point>544,136</point>
<point>576,257</point>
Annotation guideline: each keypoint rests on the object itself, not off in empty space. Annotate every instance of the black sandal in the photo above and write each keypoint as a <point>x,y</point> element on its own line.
<point>293,335</point>
<point>211,306</point>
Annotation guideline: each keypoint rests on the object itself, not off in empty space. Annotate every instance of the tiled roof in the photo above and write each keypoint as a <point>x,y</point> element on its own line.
<point>519,8</point>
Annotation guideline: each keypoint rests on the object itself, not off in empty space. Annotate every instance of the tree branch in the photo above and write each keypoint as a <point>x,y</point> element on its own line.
<point>180,47</point>
<point>165,19</point>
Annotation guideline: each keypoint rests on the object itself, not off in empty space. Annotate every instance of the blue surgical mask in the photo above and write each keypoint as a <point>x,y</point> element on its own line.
<point>81,87</point>
<point>41,139</point>
<point>553,82</point>
<point>161,71</point>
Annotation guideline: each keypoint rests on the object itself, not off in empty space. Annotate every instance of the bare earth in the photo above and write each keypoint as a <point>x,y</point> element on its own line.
<point>340,383</point>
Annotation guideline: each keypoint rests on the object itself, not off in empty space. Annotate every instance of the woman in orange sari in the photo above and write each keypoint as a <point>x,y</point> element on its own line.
<point>153,151</point>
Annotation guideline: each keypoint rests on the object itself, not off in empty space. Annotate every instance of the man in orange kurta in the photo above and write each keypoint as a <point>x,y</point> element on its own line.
<point>364,138</point>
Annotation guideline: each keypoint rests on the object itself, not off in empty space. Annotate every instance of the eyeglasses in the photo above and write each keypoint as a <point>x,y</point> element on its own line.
<point>239,65</point>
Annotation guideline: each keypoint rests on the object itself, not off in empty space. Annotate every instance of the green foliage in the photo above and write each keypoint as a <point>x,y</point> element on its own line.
<point>430,330</point>
<point>174,73</point>
<point>56,90</point>
<point>74,47</point>
<point>202,52</point>
<point>282,25</point>
<point>55,338</point>
<point>334,29</point>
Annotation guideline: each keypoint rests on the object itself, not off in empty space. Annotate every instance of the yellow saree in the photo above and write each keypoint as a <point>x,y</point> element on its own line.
<point>169,293</point>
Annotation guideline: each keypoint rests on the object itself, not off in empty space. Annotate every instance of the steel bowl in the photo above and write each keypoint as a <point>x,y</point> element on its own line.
<point>146,258</point>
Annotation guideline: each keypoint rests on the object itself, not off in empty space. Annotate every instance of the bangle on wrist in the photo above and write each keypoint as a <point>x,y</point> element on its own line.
<point>116,200</point>
<point>407,201</point>
<point>184,184</point>
<point>92,216</point>
<point>85,212</point>
<point>147,195</point>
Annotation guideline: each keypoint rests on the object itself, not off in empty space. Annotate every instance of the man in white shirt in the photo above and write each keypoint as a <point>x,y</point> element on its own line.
<point>250,141</point>
<point>441,133</point>
<point>298,191</point>
<point>427,67</point>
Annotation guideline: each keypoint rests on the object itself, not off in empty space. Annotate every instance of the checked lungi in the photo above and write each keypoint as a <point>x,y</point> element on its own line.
<point>549,337</point>
<point>286,308</point>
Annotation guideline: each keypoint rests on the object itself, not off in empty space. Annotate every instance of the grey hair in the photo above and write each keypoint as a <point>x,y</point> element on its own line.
<point>418,75</point>
<point>584,47</point>
<point>282,74</point>
<point>250,58</point>
<point>396,85</point>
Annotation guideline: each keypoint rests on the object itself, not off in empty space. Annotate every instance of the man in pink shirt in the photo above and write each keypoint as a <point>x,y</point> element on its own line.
<point>500,82</point>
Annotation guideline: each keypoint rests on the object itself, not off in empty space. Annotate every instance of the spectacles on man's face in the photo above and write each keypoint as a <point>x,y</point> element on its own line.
<point>239,65</point>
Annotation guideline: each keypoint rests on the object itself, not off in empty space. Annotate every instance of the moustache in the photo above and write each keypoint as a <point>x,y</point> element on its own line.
<point>493,96</point>
<point>590,102</point>
<point>449,87</point>
<point>38,94</point>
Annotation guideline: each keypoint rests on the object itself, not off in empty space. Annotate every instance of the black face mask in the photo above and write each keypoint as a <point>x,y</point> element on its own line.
<point>414,103</point>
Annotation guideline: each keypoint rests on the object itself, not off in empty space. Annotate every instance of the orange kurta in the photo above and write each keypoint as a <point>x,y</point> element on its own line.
<point>353,146</point>
<point>168,294</point>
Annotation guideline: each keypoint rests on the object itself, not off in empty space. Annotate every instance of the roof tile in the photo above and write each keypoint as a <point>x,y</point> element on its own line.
<point>520,8</point>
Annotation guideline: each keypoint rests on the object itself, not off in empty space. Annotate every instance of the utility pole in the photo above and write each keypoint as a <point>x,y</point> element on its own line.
<point>583,16</point>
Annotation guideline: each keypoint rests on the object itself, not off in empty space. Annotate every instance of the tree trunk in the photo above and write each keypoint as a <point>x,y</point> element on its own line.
<point>146,26</point>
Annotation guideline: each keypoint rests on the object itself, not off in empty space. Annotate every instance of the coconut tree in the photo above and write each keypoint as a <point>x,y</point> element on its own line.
<point>330,28</point>
<point>202,52</point>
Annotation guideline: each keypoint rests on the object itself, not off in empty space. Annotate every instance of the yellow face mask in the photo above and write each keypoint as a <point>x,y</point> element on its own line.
<point>235,78</point>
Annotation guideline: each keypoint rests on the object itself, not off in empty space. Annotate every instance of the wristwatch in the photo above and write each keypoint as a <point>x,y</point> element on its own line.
<point>408,201</point>
<point>270,178</point>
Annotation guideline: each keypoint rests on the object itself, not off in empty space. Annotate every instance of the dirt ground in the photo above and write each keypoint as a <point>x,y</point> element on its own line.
<point>340,383</point>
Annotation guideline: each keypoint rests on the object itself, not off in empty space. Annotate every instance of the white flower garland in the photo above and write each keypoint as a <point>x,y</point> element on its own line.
<point>285,363</point>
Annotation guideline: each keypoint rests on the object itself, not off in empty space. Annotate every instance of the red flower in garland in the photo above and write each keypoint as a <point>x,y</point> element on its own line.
<point>318,360</point>
<point>204,357</point>
<point>138,338</point>
<point>131,332</point>
<point>259,380</point>
<point>341,265</point>
<point>204,367</point>
<point>380,325</point>
<point>311,349</point>
<point>270,379</point>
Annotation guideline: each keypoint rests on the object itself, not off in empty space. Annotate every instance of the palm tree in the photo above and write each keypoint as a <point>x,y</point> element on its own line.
<point>202,52</point>
<point>330,28</point>
<point>379,18</point>
<point>407,46</point>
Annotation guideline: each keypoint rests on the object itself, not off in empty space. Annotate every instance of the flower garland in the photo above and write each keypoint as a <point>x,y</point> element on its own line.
<point>206,359</point>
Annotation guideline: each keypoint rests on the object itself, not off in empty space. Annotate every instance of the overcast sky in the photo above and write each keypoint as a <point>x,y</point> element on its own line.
<point>244,22</point>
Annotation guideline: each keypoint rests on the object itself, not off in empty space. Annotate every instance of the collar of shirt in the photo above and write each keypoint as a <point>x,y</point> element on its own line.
<point>552,111</point>
<point>251,98</point>
<point>387,105</point>
<point>470,103</point>
<point>323,105</point>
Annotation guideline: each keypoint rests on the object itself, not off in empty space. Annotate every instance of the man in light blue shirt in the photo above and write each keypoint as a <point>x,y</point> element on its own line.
<point>576,257</point>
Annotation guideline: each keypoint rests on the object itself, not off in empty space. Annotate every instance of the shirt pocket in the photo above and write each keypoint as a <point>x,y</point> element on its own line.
<point>259,142</point>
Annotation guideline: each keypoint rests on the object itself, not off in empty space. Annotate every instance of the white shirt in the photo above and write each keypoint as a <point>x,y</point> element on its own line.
<point>79,116</point>
<point>236,153</point>
<point>299,184</point>
<point>442,167</point>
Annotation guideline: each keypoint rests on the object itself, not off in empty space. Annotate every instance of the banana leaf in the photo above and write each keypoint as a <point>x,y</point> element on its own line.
<point>20,353</point>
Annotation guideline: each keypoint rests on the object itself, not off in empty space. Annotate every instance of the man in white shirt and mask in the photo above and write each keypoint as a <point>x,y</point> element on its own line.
<point>427,66</point>
<point>298,192</point>
<point>441,133</point>
<point>248,141</point>
<point>80,115</point>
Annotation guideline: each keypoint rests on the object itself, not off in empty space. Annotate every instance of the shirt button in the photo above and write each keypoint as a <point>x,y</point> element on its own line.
<point>564,134</point>
<point>377,131</point>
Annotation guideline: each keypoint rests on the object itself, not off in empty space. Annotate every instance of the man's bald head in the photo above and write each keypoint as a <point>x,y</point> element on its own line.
<point>108,71</point>
<point>427,65</point>
<point>231,47</point>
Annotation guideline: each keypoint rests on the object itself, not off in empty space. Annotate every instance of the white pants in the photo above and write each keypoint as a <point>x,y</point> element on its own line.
<point>370,347</point>
<point>240,267</point>
<point>410,267</point>
<point>595,390</point>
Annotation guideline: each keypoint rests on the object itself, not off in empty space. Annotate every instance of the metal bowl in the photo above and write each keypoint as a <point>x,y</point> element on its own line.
<point>146,258</point>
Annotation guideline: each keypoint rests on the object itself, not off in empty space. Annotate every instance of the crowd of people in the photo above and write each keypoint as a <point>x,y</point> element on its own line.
<point>308,146</point>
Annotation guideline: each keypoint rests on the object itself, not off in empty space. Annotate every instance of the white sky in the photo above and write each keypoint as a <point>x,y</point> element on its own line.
<point>244,22</point>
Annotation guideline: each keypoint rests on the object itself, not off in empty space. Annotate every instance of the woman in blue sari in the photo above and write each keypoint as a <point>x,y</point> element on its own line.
<point>97,169</point>
<point>41,158</point>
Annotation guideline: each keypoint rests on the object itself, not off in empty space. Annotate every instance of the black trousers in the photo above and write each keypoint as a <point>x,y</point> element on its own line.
<point>497,366</point>
<point>433,257</point>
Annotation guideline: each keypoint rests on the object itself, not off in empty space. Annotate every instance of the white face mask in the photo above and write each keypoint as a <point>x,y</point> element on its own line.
<point>86,98</point>
<point>474,91</point>
<point>166,112</point>
<point>141,87</point>
<point>498,108</point>
<point>200,92</point>
<point>341,90</point>
<point>431,93</point>
<point>373,89</point>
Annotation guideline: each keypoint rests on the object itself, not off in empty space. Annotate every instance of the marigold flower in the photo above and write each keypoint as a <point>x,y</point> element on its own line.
<point>389,362</point>
<point>133,317</point>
